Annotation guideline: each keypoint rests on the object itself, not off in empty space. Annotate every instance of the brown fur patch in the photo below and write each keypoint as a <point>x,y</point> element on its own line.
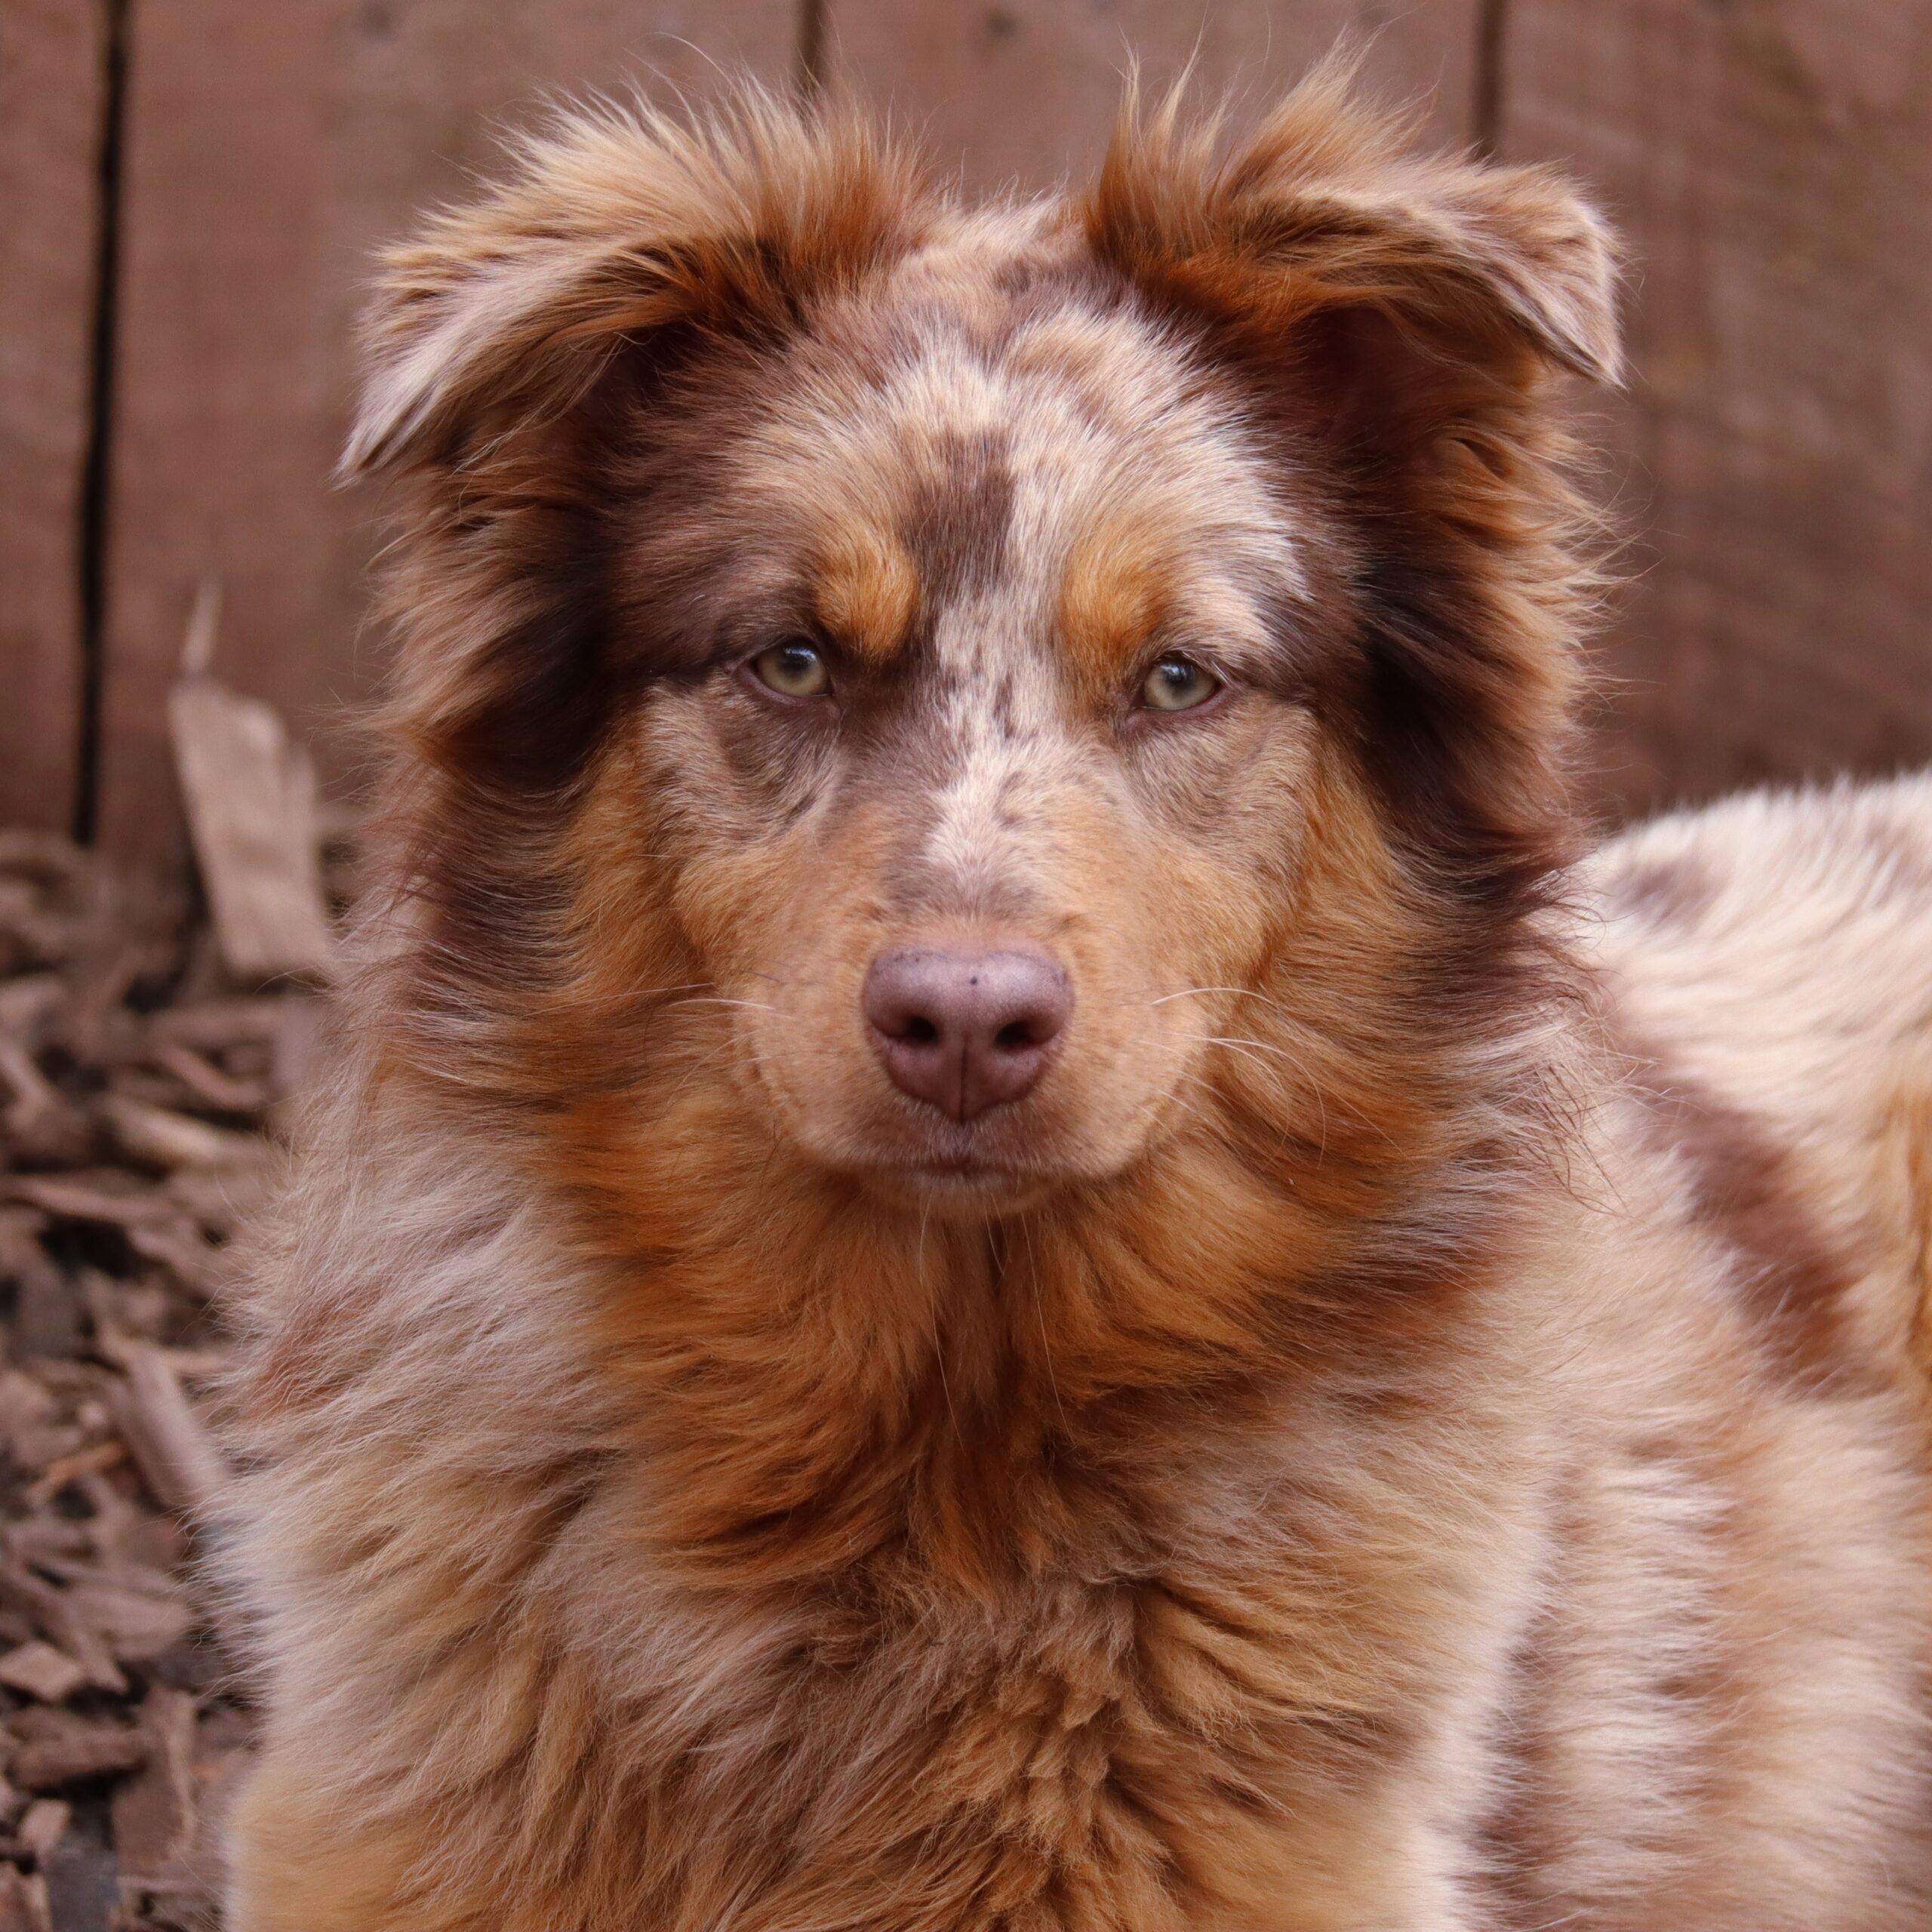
<point>866,591</point>
<point>1910,1125</point>
<point>955,523</point>
<point>1113,600</point>
<point>1791,1277</point>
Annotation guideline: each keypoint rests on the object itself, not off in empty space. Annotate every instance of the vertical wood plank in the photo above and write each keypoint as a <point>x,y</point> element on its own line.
<point>1770,165</point>
<point>52,68</point>
<point>1026,90</point>
<point>270,148</point>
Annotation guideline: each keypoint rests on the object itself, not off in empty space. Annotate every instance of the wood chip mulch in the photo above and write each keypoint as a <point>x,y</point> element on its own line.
<point>140,1096</point>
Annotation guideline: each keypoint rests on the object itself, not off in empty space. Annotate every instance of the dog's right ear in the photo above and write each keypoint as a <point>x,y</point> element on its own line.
<point>622,240</point>
<point>616,224</point>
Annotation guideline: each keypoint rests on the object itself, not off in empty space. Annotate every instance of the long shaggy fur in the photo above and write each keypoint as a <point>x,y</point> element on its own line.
<point>1418,1421</point>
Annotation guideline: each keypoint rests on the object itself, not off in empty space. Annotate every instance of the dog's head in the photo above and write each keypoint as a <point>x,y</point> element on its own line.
<point>967,697</point>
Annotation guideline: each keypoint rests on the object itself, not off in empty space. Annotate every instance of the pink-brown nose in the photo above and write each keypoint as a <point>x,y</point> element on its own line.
<point>966,1032</point>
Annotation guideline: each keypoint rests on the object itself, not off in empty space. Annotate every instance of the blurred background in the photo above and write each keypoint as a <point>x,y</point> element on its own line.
<point>190,191</point>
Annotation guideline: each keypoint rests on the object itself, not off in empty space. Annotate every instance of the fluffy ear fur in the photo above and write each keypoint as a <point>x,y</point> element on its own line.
<point>1325,208</point>
<point>617,224</point>
<point>1398,315</point>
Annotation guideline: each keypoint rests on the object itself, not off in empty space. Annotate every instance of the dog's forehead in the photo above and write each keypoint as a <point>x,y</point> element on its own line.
<point>1066,466</point>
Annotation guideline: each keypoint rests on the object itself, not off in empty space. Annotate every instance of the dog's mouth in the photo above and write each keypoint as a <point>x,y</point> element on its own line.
<point>961,1185</point>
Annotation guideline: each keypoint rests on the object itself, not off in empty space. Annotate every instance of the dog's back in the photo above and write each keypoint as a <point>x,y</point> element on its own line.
<point>1775,952</point>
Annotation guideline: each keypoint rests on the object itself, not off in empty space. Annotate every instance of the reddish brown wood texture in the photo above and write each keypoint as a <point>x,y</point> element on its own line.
<point>52,76</point>
<point>1026,90</point>
<point>270,149</point>
<point>1771,164</point>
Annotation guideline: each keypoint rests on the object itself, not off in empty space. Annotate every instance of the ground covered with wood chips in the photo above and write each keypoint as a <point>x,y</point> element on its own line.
<point>140,1098</point>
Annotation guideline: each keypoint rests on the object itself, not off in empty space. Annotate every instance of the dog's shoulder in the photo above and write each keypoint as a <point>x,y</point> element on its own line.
<point>1775,924</point>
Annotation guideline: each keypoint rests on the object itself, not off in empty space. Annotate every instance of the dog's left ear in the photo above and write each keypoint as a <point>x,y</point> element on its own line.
<point>1471,280</point>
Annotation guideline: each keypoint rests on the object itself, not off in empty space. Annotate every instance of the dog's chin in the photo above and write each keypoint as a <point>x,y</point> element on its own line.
<point>958,1190</point>
<point>945,1171</point>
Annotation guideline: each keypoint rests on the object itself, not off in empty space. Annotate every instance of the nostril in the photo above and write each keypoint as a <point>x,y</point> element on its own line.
<point>1016,1033</point>
<point>918,1031</point>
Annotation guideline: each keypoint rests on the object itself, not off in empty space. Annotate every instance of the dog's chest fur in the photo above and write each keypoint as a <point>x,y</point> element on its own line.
<point>1158,1685</point>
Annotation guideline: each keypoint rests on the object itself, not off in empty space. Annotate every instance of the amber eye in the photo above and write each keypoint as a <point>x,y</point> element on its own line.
<point>1178,684</point>
<point>794,669</point>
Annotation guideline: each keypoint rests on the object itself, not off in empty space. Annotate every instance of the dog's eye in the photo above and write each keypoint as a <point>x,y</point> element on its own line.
<point>794,669</point>
<point>1178,684</point>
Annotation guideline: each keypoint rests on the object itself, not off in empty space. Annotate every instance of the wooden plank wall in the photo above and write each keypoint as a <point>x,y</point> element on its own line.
<point>1769,160</point>
<point>53,78</point>
<point>1027,90</point>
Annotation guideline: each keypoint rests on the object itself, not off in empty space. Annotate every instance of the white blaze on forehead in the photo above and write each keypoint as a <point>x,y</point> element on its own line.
<point>1159,441</point>
<point>1001,722</point>
<point>1006,741</point>
<point>1094,412</point>
<point>1095,415</point>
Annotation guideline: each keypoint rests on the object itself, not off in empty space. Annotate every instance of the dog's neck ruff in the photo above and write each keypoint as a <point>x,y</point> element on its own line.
<point>816,1382</point>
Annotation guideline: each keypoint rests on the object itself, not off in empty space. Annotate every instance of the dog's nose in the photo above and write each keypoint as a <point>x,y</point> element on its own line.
<point>966,1032</point>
